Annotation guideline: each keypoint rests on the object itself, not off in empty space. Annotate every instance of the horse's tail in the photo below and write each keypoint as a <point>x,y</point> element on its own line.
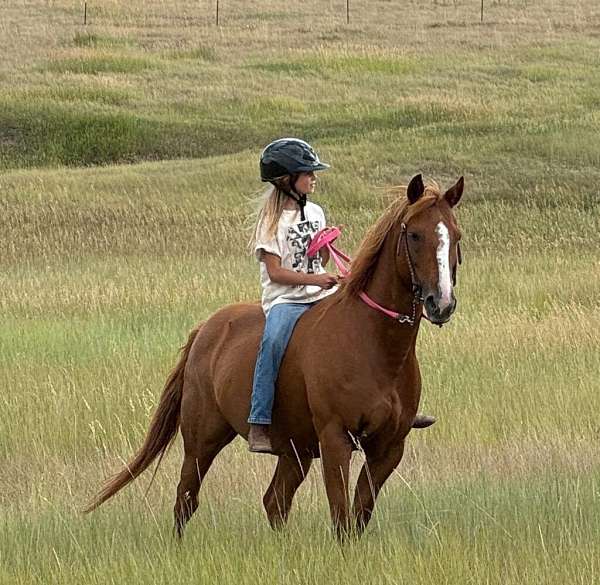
<point>162,431</point>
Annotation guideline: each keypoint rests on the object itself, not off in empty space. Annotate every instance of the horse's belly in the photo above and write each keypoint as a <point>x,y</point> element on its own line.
<point>292,428</point>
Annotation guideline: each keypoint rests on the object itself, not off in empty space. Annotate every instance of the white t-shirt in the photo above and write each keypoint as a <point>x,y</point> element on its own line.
<point>290,244</point>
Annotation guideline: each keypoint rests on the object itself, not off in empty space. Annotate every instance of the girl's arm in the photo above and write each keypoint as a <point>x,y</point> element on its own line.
<point>284,276</point>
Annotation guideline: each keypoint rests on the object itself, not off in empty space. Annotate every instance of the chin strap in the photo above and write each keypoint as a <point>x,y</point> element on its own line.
<point>301,201</point>
<point>299,198</point>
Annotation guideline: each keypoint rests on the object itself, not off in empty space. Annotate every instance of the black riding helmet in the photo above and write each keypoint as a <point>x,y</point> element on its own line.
<point>288,156</point>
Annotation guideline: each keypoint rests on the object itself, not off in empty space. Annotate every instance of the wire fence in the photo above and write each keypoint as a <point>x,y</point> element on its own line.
<point>349,11</point>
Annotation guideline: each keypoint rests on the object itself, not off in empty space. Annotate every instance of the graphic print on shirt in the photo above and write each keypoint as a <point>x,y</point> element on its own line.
<point>298,238</point>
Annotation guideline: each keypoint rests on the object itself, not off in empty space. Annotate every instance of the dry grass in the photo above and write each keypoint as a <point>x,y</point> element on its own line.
<point>30,31</point>
<point>105,269</point>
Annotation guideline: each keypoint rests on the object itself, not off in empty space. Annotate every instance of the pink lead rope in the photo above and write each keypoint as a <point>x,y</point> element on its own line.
<point>324,239</point>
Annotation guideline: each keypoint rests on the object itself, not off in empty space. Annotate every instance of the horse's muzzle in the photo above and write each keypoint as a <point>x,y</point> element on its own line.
<point>437,312</point>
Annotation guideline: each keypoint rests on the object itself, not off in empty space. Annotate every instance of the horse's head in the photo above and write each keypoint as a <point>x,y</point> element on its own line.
<point>428,241</point>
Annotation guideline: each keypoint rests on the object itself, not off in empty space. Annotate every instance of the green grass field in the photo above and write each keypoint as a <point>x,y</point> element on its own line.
<point>128,160</point>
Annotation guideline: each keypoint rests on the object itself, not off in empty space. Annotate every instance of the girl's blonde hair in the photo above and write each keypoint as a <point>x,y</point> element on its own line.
<point>269,209</point>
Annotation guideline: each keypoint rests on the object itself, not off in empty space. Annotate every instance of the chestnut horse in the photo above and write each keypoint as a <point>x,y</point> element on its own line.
<point>350,374</point>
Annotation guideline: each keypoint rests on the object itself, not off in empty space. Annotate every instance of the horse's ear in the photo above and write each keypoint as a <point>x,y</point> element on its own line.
<point>415,188</point>
<point>453,195</point>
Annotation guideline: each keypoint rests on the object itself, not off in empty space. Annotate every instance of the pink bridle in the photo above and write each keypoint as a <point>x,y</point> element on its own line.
<point>325,238</point>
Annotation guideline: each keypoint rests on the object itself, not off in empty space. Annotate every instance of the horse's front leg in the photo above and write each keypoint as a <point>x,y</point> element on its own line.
<point>336,450</point>
<point>381,460</point>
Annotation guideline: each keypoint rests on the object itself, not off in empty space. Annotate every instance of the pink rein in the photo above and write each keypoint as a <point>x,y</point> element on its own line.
<point>324,239</point>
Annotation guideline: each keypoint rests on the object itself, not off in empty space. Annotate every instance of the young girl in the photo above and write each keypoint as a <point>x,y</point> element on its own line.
<point>291,281</point>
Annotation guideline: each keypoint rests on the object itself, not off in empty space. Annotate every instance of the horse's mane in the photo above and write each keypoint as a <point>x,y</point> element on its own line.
<point>368,252</point>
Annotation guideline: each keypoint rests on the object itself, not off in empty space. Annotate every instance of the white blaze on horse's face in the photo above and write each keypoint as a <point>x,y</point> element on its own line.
<point>443,262</point>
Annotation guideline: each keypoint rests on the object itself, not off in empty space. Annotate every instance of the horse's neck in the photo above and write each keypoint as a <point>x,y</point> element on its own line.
<point>389,287</point>
<point>392,290</point>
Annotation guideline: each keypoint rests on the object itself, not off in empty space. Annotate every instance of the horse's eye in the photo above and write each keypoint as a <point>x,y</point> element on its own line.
<point>414,236</point>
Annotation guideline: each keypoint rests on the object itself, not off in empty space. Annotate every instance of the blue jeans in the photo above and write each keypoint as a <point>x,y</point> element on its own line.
<point>280,323</point>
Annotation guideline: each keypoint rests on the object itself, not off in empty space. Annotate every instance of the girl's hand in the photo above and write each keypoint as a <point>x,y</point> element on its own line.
<point>325,281</point>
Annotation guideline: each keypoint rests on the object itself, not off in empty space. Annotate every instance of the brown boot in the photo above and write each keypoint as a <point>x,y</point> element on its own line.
<point>422,421</point>
<point>258,439</point>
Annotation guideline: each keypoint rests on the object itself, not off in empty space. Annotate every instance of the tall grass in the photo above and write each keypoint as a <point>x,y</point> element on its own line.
<point>106,267</point>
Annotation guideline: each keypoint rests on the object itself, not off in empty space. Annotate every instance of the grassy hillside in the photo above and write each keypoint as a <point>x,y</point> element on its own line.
<point>128,156</point>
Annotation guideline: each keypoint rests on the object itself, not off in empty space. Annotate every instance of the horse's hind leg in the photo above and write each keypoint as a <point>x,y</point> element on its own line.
<point>203,437</point>
<point>289,474</point>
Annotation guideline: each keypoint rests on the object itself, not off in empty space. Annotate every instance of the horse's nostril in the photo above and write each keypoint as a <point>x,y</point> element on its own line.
<point>430,304</point>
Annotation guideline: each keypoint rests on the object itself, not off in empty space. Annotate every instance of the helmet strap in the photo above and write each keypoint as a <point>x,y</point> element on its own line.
<point>299,198</point>
<point>301,201</point>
